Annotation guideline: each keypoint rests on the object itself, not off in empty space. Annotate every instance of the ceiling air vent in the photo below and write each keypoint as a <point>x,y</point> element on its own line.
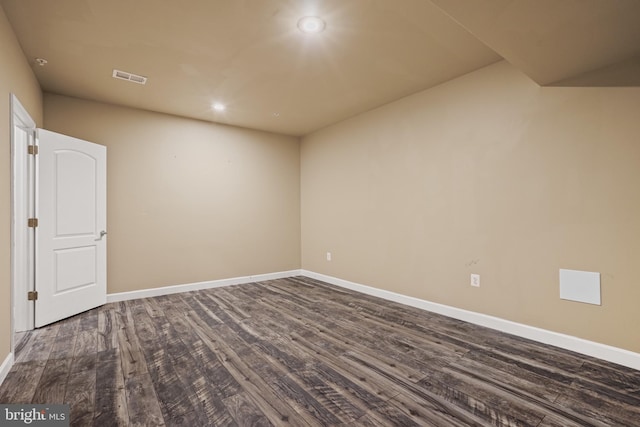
<point>130,77</point>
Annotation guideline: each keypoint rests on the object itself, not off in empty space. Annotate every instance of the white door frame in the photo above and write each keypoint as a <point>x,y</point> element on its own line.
<point>22,207</point>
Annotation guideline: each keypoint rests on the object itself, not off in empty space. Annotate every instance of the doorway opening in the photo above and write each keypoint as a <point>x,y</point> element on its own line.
<point>58,224</point>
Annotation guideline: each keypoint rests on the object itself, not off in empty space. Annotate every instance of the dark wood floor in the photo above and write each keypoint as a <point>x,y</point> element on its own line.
<point>300,352</point>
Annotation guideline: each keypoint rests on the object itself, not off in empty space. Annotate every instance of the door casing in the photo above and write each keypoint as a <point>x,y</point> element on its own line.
<point>22,207</point>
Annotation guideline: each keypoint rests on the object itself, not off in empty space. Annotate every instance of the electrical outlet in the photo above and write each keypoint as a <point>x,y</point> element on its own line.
<point>475,280</point>
<point>328,256</point>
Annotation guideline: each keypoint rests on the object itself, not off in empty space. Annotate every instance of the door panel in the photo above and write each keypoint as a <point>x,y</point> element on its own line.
<point>75,268</point>
<point>75,200</point>
<point>71,209</point>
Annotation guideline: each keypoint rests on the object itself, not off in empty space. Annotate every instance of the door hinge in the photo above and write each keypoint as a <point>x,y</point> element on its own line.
<point>32,222</point>
<point>32,295</point>
<point>33,149</point>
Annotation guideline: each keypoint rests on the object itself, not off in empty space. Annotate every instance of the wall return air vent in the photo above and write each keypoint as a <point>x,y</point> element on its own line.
<point>130,77</point>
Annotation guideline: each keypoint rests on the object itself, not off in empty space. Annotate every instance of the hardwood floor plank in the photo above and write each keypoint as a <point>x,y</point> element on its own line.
<point>52,385</point>
<point>605,392</point>
<point>285,355</point>
<point>329,395</point>
<point>107,329</point>
<point>325,361</point>
<point>38,345</point>
<point>556,374</point>
<point>177,402</point>
<point>204,397</point>
<point>382,417</point>
<point>370,389</point>
<point>130,353</point>
<point>427,399</point>
<point>357,339</point>
<point>142,402</point>
<point>277,410</point>
<point>69,326</point>
<point>23,340</point>
<point>153,307</point>
<point>198,307</point>
<point>545,384</point>
<point>481,398</point>
<point>334,389</point>
<point>146,328</point>
<point>600,406</point>
<point>176,405</point>
<point>86,342</point>
<point>426,410</point>
<point>230,320</point>
<point>231,309</point>
<point>613,376</point>
<point>223,382</point>
<point>21,383</point>
<point>323,391</point>
<point>282,383</point>
<point>387,415</point>
<point>555,421</point>
<point>88,320</point>
<point>245,412</point>
<point>64,346</point>
<point>110,400</point>
<point>471,389</point>
<point>141,399</point>
<point>81,390</point>
<point>303,401</point>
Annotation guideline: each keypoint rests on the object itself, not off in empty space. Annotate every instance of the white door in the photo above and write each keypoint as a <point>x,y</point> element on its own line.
<point>71,244</point>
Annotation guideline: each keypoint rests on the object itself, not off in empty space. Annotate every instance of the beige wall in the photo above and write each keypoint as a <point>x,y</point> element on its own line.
<point>188,201</point>
<point>486,174</point>
<point>15,77</point>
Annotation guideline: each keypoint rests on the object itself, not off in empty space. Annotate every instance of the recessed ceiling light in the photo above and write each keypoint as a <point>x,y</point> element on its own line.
<point>311,24</point>
<point>218,106</point>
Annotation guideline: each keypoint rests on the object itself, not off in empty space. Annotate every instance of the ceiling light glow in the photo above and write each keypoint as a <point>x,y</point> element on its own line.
<point>311,24</point>
<point>219,107</point>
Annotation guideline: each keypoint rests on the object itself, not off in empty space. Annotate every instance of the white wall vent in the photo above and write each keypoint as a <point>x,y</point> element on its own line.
<point>130,77</point>
<point>581,286</point>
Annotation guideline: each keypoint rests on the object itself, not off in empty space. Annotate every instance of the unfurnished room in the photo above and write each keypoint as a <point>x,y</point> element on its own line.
<point>320,213</point>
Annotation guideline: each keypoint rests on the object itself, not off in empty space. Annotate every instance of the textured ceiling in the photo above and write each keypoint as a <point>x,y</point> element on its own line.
<point>250,55</point>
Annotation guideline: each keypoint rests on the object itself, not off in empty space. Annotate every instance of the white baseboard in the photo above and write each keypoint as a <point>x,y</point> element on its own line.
<point>568,342</point>
<point>174,289</point>
<point>6,367</point>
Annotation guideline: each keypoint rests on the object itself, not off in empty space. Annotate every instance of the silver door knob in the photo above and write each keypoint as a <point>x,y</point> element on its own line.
<point>102,234</point>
